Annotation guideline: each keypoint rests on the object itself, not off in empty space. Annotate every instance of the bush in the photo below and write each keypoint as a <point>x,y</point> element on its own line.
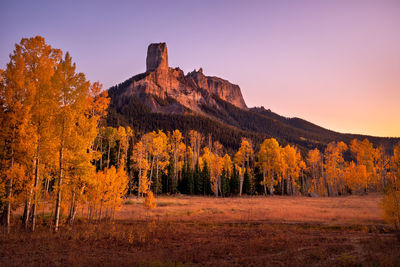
<point>391,208</point>
<point>150,201</point>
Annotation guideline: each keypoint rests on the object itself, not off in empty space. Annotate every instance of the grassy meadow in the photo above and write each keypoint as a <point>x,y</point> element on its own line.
<point>187,230</point>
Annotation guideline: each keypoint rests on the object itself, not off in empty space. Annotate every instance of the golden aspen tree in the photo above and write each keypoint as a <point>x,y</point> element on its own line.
<point>355,177</point>
<point>364,152</point>
<point>196,140</point>
<point>315,166</point>
<point>147,140</point>
<point>391,197</point>
<point>189,156</point>
<point>98,102</point>
<point>382,162</point>
<point>74,128</point>
<point>177,148</point>
<point>269,160</point>
<point>129,139</point>
<point>160,155</point>
<point>292,161</point>
<point>79,156</point>
<point>118,189</point>
<point>216,165</point>
<point>92,192</point>
<point>391,208</point>
<point>105,192</point>
<point>242,159</point>
<point>334,165</point>
<point>76,179</point>
<point>142,165</point>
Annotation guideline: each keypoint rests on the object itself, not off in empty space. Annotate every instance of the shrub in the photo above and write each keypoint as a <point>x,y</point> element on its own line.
<point>150,201</point>
<point>391,208</point>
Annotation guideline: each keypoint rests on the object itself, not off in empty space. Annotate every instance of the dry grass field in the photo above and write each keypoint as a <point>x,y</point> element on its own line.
<point>251,231</point>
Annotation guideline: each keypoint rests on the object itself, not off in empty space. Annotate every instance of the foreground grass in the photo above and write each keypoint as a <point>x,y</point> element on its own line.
<point>205,231</point>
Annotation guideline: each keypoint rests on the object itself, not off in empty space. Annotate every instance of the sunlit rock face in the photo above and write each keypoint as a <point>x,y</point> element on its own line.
<point>220,87</point>
<point>191,92</point>
<point>157,57</point>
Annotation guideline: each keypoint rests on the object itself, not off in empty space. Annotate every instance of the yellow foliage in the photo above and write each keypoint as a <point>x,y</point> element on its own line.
<point>355,177</point>
<point>106,189</point>
<point>391,207</point>
<point>150,201</point>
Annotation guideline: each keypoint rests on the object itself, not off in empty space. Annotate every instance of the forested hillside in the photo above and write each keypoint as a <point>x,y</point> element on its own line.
<point>225,122</point>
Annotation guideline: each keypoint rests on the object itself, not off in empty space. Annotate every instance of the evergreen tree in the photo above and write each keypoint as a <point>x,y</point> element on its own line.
<point>182,183</point>
<point>258,186</point>
<point>225,188</point>
<point>170,178</point>
<point>234,182</point>
<point>205,176</point>
<point>197,180</point>
<point>190,181</point>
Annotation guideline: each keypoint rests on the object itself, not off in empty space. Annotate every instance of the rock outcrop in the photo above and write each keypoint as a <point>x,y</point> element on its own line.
<point>157,57</point>
<point>162,84</point>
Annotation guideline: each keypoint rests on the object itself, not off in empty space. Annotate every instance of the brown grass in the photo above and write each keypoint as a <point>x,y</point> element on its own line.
<point>337,210</point>
<point>255,231</point>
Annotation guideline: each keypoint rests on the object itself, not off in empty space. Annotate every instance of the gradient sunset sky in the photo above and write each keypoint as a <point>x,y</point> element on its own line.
<point>334,63</point>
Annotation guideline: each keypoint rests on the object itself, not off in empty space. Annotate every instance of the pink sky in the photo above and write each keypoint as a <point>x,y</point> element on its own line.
<point>333,63</point>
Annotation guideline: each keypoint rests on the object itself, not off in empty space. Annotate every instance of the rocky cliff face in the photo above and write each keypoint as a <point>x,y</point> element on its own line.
<point>166,89</point>
<point>157,57</point>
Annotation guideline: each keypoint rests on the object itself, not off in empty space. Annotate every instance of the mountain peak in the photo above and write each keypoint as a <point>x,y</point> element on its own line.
<point>168,90</point>
<point>157,57</point>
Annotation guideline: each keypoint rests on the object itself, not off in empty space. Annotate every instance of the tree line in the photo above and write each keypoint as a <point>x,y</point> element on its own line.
<point>191,163</point>
<point>55,146</point>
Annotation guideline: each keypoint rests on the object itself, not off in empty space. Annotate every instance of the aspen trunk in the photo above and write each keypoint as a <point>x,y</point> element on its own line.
<point>101,158</point>
<point>216,187</point>
<point>108,157</point>
<point>25,217</point>
<point>58,202</point>
<point>271,184</point>
<point>151,169</point>
<point>264,182</point>
<point>9,194</point>
<point>72,208</point>
<point>241,179</point>
<point>119,151</point>
<point>140,175</point>
<point>156,188</point>
<point>35,194</point>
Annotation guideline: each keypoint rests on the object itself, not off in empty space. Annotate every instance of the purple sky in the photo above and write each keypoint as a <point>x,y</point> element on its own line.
<point>334,63</point>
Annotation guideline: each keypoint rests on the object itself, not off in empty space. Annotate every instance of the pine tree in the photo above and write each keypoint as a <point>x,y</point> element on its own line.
<point>246,183</point>
<point>225,187</point>
<point>189,181</point>
<point>170,178</point>
<point>182,183</point>
<point>234,182</point>
<point>258,182</point>
<point>197,180</point>
<point>205,175</point>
